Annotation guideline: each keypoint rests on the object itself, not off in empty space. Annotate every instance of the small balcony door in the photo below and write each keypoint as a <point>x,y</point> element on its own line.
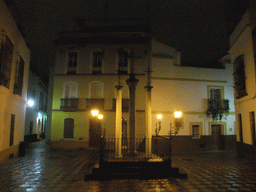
<point>70,90</point>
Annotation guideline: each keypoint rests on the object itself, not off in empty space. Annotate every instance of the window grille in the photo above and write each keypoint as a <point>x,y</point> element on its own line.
<point>18,85</point>
<point>239,77</point>
<point>6,53</point>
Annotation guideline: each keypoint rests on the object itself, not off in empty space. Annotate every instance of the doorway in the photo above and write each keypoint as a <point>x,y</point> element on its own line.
<point>94,133</point>
<point>217,137</point>
<point>69,128</point>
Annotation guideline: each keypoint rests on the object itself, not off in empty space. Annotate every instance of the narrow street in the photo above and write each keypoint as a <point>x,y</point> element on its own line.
<point>43,169</point>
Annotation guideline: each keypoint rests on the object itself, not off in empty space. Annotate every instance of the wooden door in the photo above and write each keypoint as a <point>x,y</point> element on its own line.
<point>217,137</point>
<point>94,133</point>
<point>69,128</point>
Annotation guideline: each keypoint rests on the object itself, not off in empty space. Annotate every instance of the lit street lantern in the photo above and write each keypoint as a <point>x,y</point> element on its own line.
<point>30,103</point>
<point>177,114</point>
<point>95,112</point>
<point>178,121</point>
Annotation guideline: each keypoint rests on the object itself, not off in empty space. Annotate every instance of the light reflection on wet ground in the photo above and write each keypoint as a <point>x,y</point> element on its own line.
<point>44,170</point>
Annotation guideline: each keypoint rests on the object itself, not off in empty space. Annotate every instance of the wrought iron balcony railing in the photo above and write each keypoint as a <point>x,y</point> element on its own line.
<point>69,104</point>
<point>75,104</point>
<point>216,108</point>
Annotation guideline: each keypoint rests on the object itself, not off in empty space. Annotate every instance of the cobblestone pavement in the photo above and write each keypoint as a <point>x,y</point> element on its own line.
<point>63,170</point>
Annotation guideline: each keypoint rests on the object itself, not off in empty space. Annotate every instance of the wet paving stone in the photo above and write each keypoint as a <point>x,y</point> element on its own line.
<point>43,169</point>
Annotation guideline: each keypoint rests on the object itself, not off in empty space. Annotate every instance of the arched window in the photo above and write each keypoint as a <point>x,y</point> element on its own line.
<point>69,128</point>
<point>70,89</point>
<point>96,90</point>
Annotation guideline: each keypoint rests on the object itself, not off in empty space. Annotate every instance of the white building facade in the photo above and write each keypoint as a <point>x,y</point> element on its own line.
<point>86,77</point>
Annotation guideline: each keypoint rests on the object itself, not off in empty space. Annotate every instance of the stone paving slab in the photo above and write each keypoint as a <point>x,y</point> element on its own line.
<point>63,170</point>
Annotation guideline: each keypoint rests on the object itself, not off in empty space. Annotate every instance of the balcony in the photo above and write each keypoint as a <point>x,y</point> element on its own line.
<point>69,104</point>
<point>77,104</point>
<point>217,108</point>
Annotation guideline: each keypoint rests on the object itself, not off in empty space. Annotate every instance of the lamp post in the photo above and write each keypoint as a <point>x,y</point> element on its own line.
<point>177,123</point>
<point>95,127</point>
<point>174,130</point>
<point>158,125</point>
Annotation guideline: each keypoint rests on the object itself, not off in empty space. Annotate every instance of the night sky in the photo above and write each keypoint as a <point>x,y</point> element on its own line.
<point>199,28</point>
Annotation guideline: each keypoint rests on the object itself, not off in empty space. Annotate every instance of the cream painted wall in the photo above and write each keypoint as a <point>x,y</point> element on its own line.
<point>187,119</point>
<point>109,78</point>
<point>109,58</point>
<point>186,89</point>
<point>13,104</point>
<point>241,44</point>
<point>109,82</point>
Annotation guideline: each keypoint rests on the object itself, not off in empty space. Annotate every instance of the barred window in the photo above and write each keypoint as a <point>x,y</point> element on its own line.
<point>6,53</point>
<point>18,85</point>
<point>216,96</point>
<point>239,77</point>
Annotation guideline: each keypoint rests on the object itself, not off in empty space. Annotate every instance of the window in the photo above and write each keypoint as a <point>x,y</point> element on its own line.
<point>122,61</point>
<point>97,62</point>
<point>195,131</point>
<point>12,129</point>
<point>6,53</point>
<point>69,100</point>
<point>239,77</point>
<point>96,90</point>
<point>18,85</point>
<point>70,90</point>
<point>216,96</point>
<point>72,63</point>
